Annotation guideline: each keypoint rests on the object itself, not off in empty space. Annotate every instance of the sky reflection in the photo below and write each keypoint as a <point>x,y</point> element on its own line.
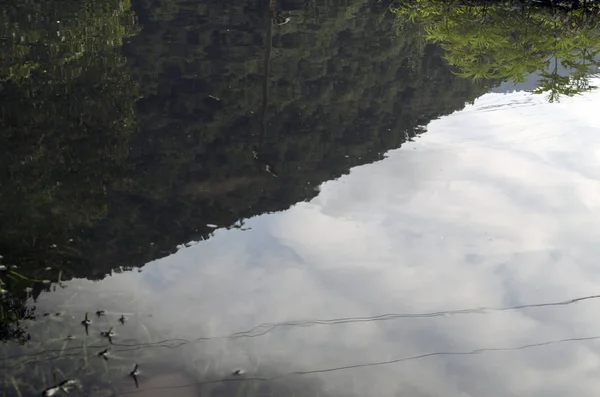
<point>494,206</point>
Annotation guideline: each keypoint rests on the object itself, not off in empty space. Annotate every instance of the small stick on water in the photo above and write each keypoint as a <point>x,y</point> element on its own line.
<point>51,391</point>
<point>86,323</point>
<point>134,374</point>
<point>108,334</point>
<point>104,354</point>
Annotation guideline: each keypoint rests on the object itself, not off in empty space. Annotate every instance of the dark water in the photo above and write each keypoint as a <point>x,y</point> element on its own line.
<point>334,198</point>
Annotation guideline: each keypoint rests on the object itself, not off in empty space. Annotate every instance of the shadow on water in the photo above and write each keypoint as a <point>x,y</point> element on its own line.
<point>127,131</point>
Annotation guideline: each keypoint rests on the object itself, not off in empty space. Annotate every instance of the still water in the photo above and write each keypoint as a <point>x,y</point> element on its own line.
<point>298,198</point>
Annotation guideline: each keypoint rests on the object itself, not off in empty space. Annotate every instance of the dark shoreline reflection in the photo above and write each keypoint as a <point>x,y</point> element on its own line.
<point>102,192</point>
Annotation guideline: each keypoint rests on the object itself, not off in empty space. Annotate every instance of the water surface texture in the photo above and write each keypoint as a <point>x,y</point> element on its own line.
<point>299,198</point>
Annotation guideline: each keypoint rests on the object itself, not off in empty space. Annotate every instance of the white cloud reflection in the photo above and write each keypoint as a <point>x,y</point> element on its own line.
<point>496,205</point>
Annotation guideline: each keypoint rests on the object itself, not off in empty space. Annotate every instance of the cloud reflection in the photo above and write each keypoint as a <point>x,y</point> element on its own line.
<point>494,206</point>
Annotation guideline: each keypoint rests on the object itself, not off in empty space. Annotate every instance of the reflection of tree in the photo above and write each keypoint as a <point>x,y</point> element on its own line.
<point>50,37</point>
<point>340,93</point>
<point>13,312</point>
<point>67,111</point>
<point>509,40</point>
<point>76,93</point>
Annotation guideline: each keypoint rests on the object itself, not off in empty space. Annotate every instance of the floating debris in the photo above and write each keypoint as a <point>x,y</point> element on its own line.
<point>2,267</point>
<point>122,319</point>
<point>100,313</point>
<point>65,386</point>
<point>69,337</point>
<point>239,226</point>
<point>238,372</point>
<point>86,323</point>
<point>283,21</point>
<point>103,354</point>
<point>51,391</point>
<point>108,334</point>
<point>45,281</point>
<point>212,226</point>
<point>28,289</point>
<point>86,320</point>
<point>47,268</point>
<point>270,171</point>
<point>136,370</point>
<point>69,384</point>
<point>134,374</point>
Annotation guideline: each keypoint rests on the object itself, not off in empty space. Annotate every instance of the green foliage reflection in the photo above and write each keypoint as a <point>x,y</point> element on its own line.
<point>51,37</point>
<point>67,113</point>
<point>507,40</point>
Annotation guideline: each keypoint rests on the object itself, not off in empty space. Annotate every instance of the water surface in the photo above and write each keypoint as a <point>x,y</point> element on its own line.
<point>317,207</point>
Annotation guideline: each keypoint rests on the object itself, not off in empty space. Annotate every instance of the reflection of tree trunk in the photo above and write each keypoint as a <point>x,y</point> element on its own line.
<point>258,154</point>
<point>267,63</point>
